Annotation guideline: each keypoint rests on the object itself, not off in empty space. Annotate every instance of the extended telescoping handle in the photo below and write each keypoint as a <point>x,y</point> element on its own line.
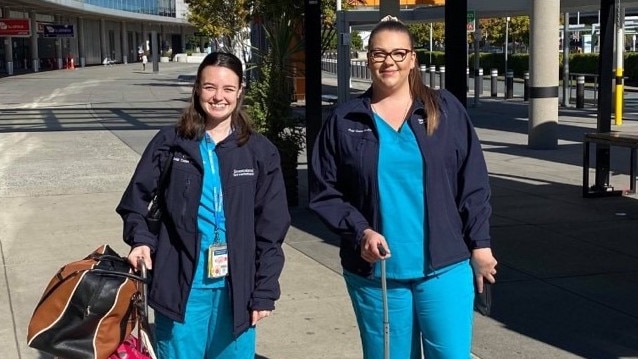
<point>384,294</point>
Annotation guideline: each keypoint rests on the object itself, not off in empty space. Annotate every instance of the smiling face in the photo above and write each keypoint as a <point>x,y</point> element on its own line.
<point>390,59</point>
<point>219,92</point>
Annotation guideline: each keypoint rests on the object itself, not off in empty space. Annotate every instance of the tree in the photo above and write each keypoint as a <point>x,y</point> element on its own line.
<point>519,30</point>
<point>329,20</point>
<point>219,19</point>
<point>421,33</point>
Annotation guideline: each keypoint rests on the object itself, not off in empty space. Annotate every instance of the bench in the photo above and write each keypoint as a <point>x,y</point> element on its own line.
<point>617,139</point>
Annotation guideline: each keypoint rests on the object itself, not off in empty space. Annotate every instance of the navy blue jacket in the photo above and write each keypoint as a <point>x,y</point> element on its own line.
<point>345,191</point>
<point>257,220</point>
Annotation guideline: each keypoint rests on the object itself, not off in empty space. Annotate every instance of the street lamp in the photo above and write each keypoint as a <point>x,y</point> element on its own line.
<point>507,31</point>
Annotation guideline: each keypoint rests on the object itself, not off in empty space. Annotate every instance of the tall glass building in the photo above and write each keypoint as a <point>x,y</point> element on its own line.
<point>43,34</point>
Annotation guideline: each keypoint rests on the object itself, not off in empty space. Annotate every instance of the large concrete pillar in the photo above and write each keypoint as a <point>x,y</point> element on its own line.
<point>145,45</point>
<point>155,51</point>
<point>389,7</point>
<point>58,46</point>
<point>35,56</point>
<point>8,47</point>
<point>183,36</point>
<point>125,44</point>
<point>543,92</point>
<point>103,51</point>
<point>81,47</point>
<point>163,42</point>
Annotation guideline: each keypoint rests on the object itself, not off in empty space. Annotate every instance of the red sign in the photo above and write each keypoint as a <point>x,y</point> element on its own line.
<point>15,27</point>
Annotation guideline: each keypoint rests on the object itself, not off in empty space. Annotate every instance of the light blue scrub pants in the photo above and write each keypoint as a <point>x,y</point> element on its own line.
<point>438,308</point>
<point>207,331</point>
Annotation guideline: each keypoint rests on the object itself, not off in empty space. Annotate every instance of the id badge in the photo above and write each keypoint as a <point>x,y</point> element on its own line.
<point>217,261</point>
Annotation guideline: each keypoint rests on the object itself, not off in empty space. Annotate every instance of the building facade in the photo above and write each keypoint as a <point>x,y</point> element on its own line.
<point>45,34</point>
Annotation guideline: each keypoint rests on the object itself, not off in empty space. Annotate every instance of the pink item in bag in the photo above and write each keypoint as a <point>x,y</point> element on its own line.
<point>130,349</point>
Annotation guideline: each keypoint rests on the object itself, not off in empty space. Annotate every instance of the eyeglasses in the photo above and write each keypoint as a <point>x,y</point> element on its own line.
<point>397,55</point>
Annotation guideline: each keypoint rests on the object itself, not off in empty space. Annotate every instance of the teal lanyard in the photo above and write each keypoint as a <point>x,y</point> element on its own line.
<point>218,198</point>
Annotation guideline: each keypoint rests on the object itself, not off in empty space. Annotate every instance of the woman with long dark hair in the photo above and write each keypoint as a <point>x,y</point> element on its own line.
<point>217,257</point>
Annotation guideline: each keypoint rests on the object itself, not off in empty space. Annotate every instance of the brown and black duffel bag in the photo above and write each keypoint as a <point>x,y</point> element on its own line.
<point>88,308</point>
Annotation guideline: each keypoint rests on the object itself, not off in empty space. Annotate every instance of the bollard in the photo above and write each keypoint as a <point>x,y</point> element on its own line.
<point>441,77</point>
<point>432,76</point>
<point>423,70</point>
<point>509,84</point>
<point>526,86</point>
<point>9,67</point>
<point>580,92</point>
<point>494,83</point>
<point>480,81</point>
<point>467,79</point>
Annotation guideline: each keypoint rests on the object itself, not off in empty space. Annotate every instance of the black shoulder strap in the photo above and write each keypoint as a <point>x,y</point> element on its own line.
<point>164,176</point>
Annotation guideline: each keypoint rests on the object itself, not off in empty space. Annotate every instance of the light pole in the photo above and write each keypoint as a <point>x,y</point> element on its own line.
<point>430,43</point>
<point>507,31</point>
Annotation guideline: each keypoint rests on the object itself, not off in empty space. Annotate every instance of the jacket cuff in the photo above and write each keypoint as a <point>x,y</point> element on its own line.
<point>145,240</point>
<point>262,304</point>
<point>483,243</point>
<point>359,232</point>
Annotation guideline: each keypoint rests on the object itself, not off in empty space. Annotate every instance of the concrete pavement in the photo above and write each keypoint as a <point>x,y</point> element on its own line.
<point>568,283</point>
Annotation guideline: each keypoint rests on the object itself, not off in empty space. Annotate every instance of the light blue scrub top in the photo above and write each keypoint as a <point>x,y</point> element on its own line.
<point>211,220</point>
<point>402,201</point>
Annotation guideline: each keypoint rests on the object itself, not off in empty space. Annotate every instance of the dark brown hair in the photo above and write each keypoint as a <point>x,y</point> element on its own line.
<point>192,123</point>
<point>417,88</point>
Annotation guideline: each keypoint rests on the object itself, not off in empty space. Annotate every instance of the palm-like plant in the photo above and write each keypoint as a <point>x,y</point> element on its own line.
<point>270,96</point>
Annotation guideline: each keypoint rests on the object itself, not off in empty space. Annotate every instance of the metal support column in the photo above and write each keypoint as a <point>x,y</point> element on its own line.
<point>343,58</point>
<point>565,102</point>
<point>124,41</point>
<point>605,70</point>
<point>455,45</point>
<point>313,78</point>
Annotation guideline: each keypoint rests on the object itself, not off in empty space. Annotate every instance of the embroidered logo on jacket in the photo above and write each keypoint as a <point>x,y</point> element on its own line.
<point>244,172</point>
<point>181,160</point>
<point>356,130</point>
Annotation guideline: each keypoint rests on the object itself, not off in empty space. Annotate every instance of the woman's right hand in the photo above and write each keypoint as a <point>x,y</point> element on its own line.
<point>140,252</point>
<point>370,243</point>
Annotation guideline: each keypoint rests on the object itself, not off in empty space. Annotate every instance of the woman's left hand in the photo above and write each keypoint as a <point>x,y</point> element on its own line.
<point>257,315</point>
<point>484,266</point>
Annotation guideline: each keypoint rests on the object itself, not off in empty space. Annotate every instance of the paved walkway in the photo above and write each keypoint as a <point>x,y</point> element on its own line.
<point>568,283</point>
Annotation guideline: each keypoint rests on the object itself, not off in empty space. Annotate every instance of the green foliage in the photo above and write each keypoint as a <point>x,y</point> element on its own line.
<point>356,43</point>
<point>218,18</point>
<point>421,33</point>
<point>438,57</point>
<point>270,95</point>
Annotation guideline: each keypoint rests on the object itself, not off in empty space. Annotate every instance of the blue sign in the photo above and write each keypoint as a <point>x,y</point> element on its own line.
<point>58,30</point>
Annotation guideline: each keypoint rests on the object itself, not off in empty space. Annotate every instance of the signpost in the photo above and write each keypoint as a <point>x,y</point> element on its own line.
<point>471,21</point>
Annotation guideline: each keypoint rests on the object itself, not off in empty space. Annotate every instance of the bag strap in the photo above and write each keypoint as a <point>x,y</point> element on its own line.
<point>168,164</point>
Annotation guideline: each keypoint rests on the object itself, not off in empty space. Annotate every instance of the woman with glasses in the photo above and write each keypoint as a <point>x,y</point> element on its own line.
<point>400,171</point>
<point>217,257</point>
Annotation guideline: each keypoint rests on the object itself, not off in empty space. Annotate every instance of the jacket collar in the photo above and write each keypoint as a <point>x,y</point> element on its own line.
<point>363,106</point>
